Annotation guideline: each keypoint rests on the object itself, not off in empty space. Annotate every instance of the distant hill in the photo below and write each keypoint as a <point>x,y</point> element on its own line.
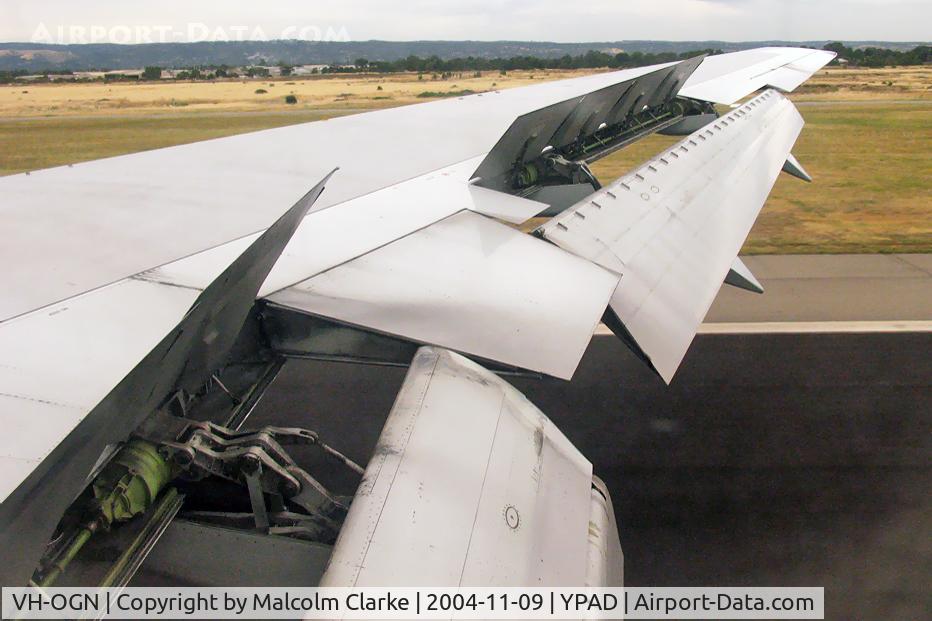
<point>44,57</point>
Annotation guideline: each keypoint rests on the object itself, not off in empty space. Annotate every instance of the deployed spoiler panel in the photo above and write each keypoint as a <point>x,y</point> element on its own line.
<point>586,127</point>
<point>33,500</point>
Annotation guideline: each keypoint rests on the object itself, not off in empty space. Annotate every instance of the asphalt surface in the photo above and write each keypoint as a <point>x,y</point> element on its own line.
<point>803,288</point>
<point>802,458</point>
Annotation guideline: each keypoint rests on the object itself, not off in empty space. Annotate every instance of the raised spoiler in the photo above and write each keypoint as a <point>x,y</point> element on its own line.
<point>182,360</point>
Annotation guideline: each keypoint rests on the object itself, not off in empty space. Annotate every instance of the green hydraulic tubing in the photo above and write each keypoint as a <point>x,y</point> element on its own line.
<point>126,487</point>
<point>166,507</point>
<point>51,574</point>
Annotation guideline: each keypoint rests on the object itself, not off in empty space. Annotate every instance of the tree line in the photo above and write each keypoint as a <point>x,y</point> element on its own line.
<point>879,56</point>
<point>865,57</point>
<point>590,60</point>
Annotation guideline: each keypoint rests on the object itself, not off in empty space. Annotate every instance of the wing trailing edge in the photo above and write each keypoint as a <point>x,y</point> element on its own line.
<point>672,229</point>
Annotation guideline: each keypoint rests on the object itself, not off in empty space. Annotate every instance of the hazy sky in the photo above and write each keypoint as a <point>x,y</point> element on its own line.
<point>133,21</point>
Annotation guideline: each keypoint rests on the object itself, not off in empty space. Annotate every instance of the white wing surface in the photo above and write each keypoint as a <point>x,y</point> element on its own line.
<point>726,78</point>
<point>673,228</point>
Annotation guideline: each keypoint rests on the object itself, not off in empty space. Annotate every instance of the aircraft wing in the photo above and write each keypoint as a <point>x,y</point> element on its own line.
<point>409,244</point>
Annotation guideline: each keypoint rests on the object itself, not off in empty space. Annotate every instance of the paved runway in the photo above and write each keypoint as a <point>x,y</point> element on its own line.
<point>804,288</point>
<point>798,458</point>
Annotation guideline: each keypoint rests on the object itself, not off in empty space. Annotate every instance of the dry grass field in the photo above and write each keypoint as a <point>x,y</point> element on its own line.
<point>843,84</point>
<point>867,140</point>
<point>55,141</point>
<point>872,181</point>
<point>347,91</point>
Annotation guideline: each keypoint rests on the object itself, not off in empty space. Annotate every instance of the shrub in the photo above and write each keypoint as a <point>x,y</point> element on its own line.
<point>429,94</point>
<point>261,91</point>
<point>291,99</point>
